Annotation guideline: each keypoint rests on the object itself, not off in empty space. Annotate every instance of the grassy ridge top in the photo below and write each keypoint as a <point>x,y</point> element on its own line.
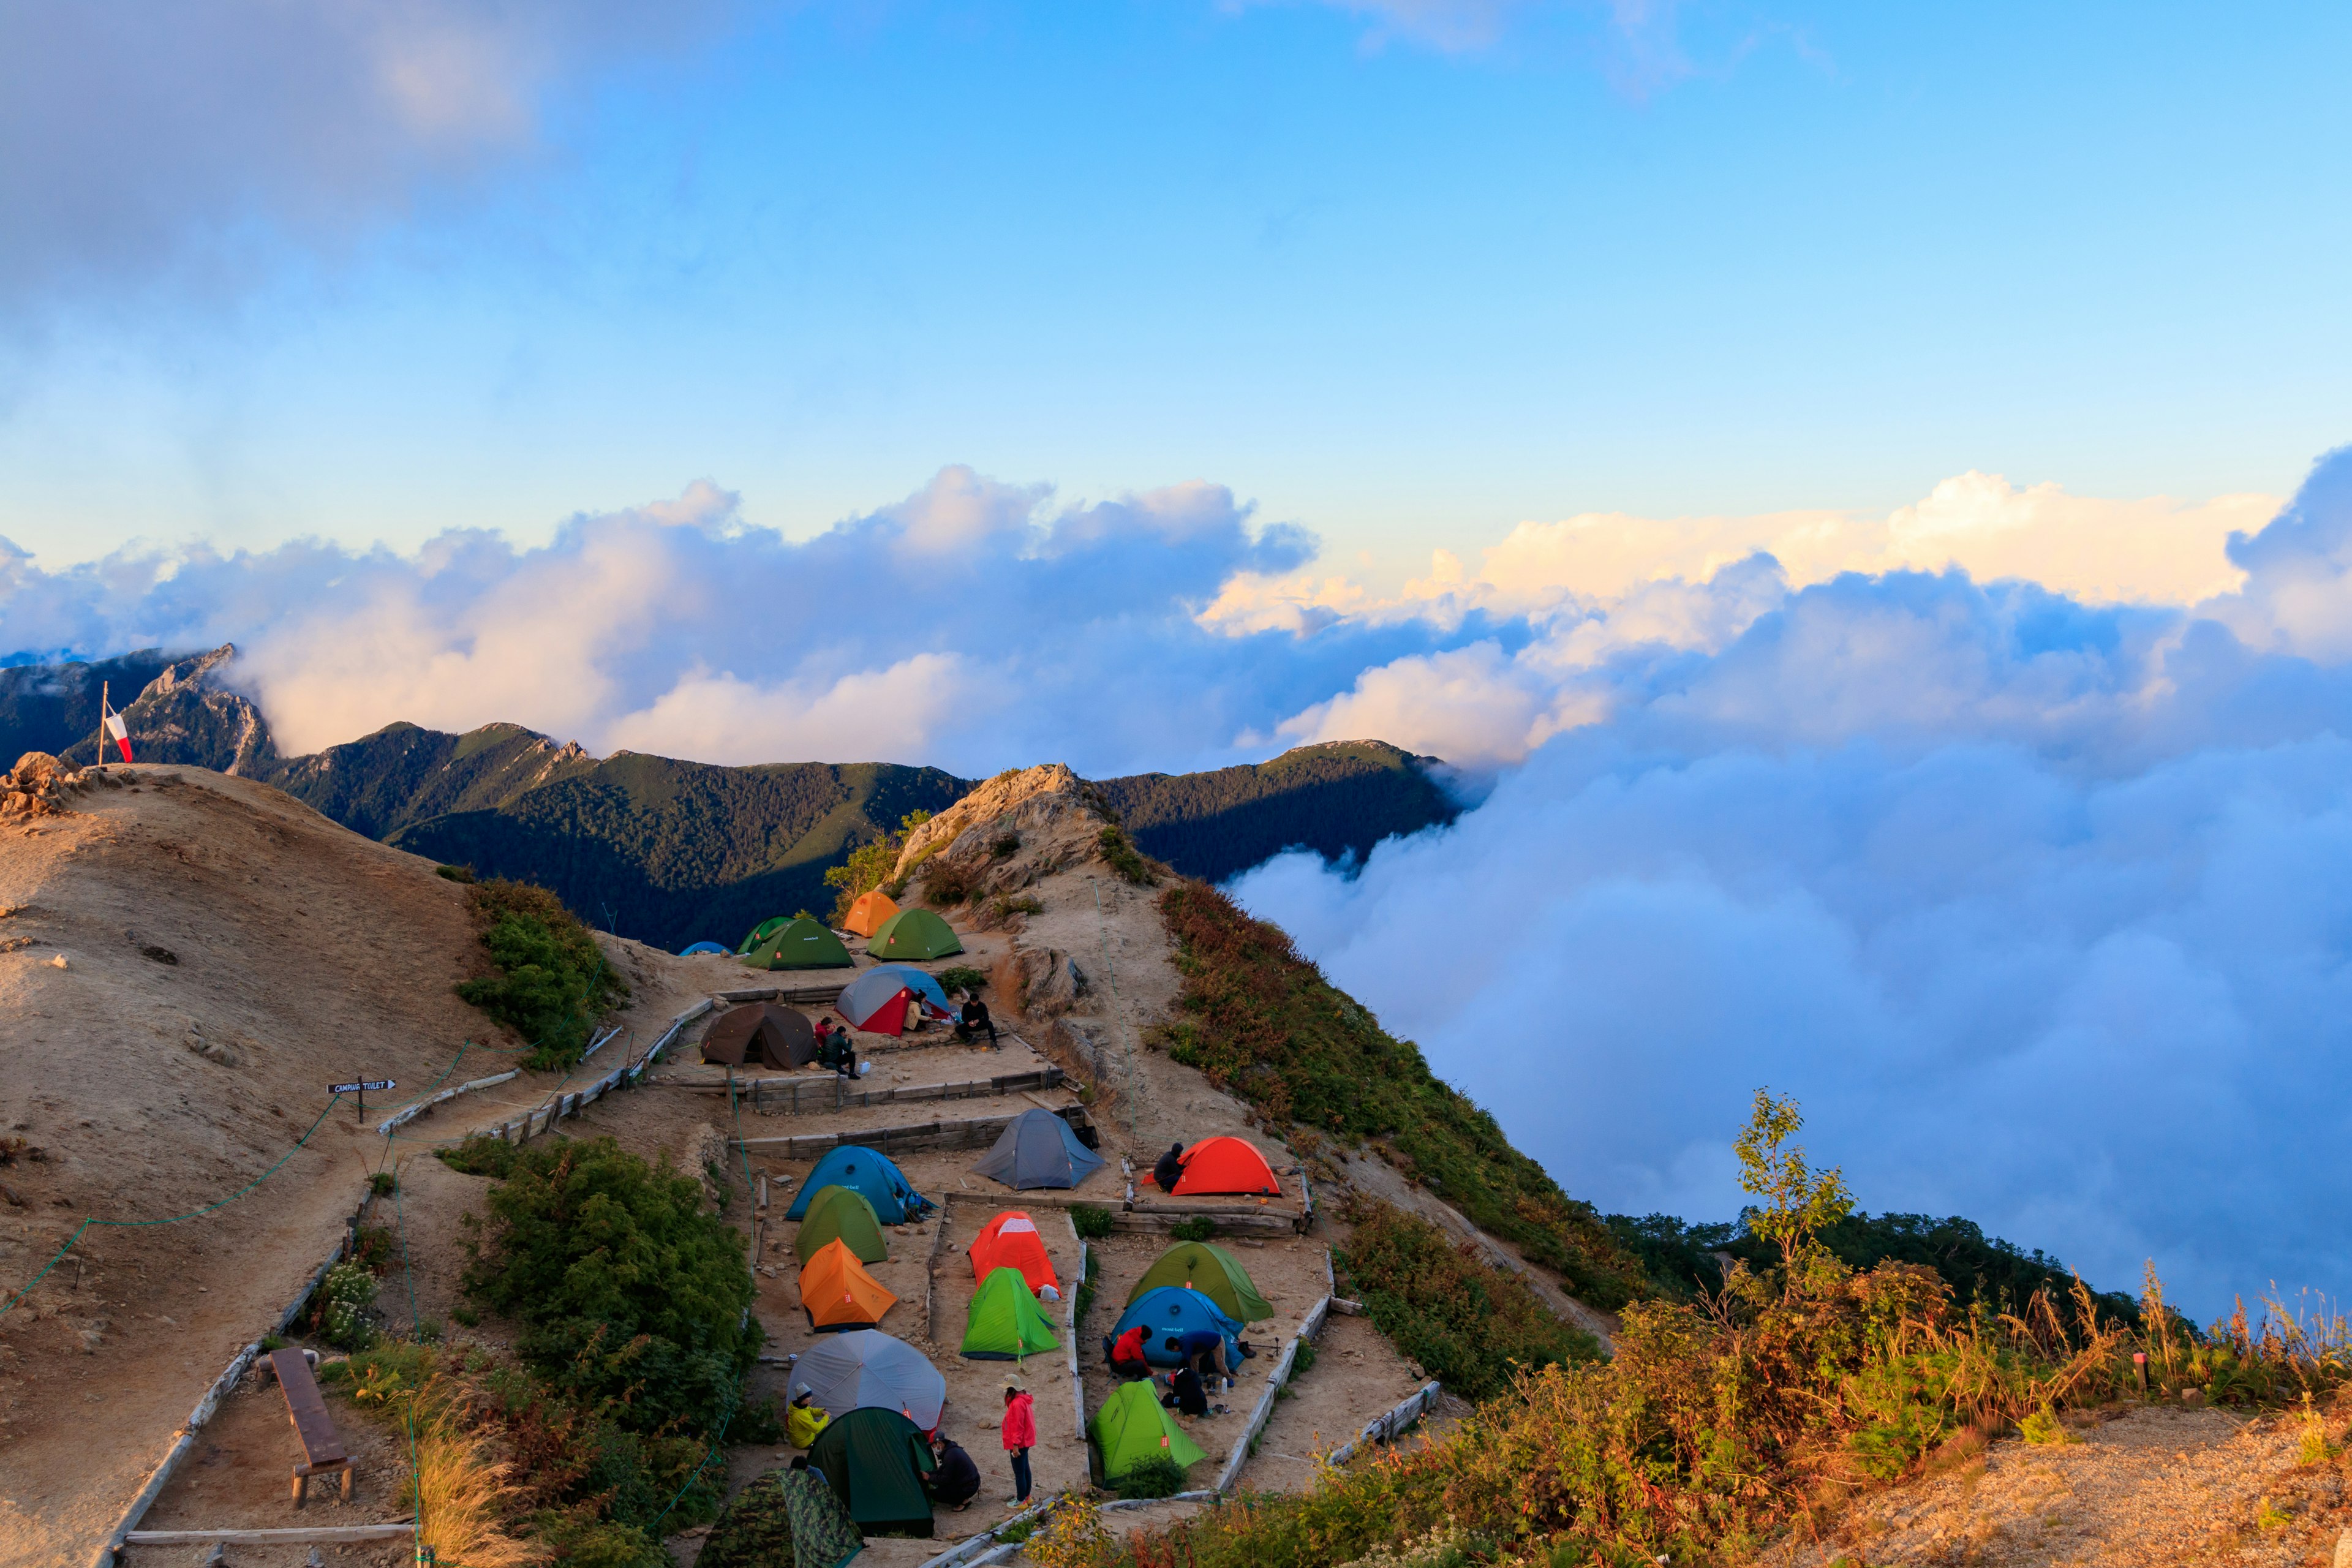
<point>1263,1023</point>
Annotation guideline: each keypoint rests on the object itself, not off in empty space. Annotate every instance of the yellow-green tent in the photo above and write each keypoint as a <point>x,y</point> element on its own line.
<point>914,934</point>
<point>838,1214</point>
<point>1005,1323</point>
<point>1132,1427</point>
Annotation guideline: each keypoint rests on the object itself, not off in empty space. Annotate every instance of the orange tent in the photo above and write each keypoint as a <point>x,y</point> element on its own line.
<point>837,1293</point>
<point>866,915</point>
<point>1011,1241</point>
<point>1227,1166</point>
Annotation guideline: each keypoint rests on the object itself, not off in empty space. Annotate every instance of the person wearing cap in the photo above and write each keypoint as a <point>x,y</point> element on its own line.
<point>955,1480</point>
<point>803,1421</point>
<point>1170,1170</point>
<point>1020,1437</point>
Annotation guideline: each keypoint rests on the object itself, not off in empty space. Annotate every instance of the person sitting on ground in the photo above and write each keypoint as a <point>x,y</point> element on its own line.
<point>1185,1394</point>
<point>1204,1350</point>
<point>1170,1170</point>
<point>839,1052</point>
<point>803,1421</point>
<point>955,1480</point>
<point>974,1020</point>
<point>1126,1354</point>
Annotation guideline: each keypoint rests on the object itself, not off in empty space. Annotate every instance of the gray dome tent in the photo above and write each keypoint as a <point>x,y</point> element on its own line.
<point>1039,1150</point>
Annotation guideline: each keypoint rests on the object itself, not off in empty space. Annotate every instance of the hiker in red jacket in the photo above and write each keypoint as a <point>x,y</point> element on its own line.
<point>1020,1437</point>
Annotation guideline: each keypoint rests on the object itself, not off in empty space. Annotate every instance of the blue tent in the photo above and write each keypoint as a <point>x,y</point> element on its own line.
<point>871,1176</point>
<point>700,947</point>
<point>1038,1149</point>
<point>1168,1314</point>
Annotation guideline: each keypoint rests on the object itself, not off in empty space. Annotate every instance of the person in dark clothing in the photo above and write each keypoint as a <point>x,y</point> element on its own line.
<point>1204,1351</point>
<point>836,1049</point>
<point>1170,1168</point>
<point>1185,1395</point>
<point>956,1481</point>
<point>975,1021</point>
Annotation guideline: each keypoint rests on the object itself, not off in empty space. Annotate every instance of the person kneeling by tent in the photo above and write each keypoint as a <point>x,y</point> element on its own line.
<point>1170,1168</point>
<point>1185,1394</point>
<point>803,1420</point>
<point>1126,1354</point>
<point>836,1049</point>
<point>956,1480</point>
<point>973,1020</point>
<point>1204,1351</point>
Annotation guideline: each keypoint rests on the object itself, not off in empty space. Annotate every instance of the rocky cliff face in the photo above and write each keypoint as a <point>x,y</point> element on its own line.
<point>190,715</point>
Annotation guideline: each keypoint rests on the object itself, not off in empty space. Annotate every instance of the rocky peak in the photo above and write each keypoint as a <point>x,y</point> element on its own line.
<point>1006,793</point>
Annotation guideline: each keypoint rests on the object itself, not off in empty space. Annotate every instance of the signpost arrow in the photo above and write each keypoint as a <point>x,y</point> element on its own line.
<point>361,1089</point>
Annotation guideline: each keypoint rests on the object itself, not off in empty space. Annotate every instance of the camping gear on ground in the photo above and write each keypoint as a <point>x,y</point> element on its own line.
<point>761,1033</point>
<point>1226,1166</point>
<point>866,1368</point>
<point>868,913</point>
<point>700,948</point>
<point>1005,1323</point>
<point>914,934</point>
<point>1131,1427</point>
<point>870,1175</point>
<point>1011,1241</point>
<point>876,1000</point>
<point>843,1214</point>
<point>762,932</point>
<point>876,1461</point>
<point>801,944</point>
<point>837,1293</point>
<point>1167,1313</point>
<point>785,1516</point>
<point>1212,1270</point>
<point>1038,1149</point>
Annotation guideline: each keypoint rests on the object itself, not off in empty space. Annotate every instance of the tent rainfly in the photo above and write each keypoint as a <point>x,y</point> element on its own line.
<point>871,1175</point>
<point>837,1214</point>
<point>876,1461</point>
<point>1226,1164</point>
<point>866,1368</point>
<point>1011,1241</point>
<point>762,932</point>
<point>837,1293</point>
<point>804,943</point>
<point>1131,1427</point>
<point>698,949</point>
<point>866,915</point>
<point>760,1034</point>
<point>914,934</point>
<point>1005,1323</point>
<point>876,1000</point>
<point>1212,1270</point>
<point>1038,1149</point>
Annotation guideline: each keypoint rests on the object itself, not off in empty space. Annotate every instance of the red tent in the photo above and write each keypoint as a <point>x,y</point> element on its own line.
<point>890,1018</point>
<point>1011,1241</point>
<point>1226,1166</point>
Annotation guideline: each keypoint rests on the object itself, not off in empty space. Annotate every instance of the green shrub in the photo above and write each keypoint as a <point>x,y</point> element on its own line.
<point>1122,858</point>
<point>962,977</point>
<point>272,1342</point>
<point>1263,1023</point>
<point>1006,847</point>
<point>2043,1429</point>
<point>1304,1362</point>
<point>467,1317</point>
<point>1092,1222</point>
<point>480,1157</point>
<point>1086,1288</point>
<point>371,1248</point>
<point>455,873</point>
<point>344,1297</point>
<point>1155,1477</point>
<point>1199,1227</point>
<point>869,865</point>
<point>628,1292</point>
<point>1468,1323</point>
<point>382,1183</point>
<point>1019,904</point>
<point>553,981</point>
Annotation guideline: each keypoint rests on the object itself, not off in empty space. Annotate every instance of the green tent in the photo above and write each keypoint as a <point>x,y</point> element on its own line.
<point>913,934</point>
<point>1213,1271</point>
<point>785,1516</point>
<point>801,944</point>
<point>1005,1323</point>
<point>876,1460</point>
<point>843,1215</point>
<point>1132,1427</point>
<point>762,932</point>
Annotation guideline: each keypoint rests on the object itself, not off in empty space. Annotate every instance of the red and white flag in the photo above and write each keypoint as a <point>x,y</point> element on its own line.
<point>116,727</point>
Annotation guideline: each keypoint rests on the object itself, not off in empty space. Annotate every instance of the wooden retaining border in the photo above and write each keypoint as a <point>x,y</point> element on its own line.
<point>305,1535</point>
<point>1309,1327</point>
<point>975,1133</point>
<point>534,1122</point>
<point>1070,1327</point>
<point>1384,1428</point>
<point>403,1117</point>
<point>808,1096</point>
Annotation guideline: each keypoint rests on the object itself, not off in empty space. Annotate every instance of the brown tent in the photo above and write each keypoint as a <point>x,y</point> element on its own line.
<point>761,1033</point>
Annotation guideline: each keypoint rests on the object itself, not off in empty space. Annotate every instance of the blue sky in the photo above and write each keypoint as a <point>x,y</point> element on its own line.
<point>1406,275</point>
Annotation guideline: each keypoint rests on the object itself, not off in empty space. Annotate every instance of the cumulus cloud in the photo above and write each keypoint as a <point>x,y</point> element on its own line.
<point>138,139</point>
<point>2040,907</point>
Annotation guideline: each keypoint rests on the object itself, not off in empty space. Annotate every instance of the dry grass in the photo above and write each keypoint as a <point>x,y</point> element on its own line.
<point>462,1496</point>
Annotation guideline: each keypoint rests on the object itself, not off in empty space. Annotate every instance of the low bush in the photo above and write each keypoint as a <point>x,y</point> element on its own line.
<point>632,1297</point>
<point>1469,1324</point>
<point>1019,904</point>
<point>371,1248</point>
<point>384,1183</point>
<point>1155,1477</point>
<point>961,977</point>
<point>455,873</point>
<point>344,1297</point>
<point>553,981</point>
<point>869,865</point>
<point>1199,1227</point>
<point>1093,1223</point>
<point>480,1157</point>
<point>1086,1288</point>
<point>948,883</point>
<point>1122,858</point>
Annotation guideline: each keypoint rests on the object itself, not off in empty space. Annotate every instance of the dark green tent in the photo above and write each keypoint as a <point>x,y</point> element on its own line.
<point>876,1460</point>
<point>841,1213</point>
<point>762,932</point>
<point>801,944</point>
<point>914,934</point>
<point>1213,1271</point>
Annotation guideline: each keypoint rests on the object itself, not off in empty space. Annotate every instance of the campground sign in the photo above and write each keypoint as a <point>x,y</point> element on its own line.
<point>361,1089</point>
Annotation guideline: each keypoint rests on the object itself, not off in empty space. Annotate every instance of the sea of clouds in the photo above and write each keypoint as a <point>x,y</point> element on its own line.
<point>2010,833</point>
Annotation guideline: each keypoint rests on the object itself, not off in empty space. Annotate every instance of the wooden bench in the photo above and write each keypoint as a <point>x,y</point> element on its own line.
<point>306,1408</point>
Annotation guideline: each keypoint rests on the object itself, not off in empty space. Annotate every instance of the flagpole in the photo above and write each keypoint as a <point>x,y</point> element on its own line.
<point>99,761</point>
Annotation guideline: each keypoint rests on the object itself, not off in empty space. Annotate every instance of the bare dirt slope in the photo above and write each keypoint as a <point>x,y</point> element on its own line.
<point>227,954</point>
